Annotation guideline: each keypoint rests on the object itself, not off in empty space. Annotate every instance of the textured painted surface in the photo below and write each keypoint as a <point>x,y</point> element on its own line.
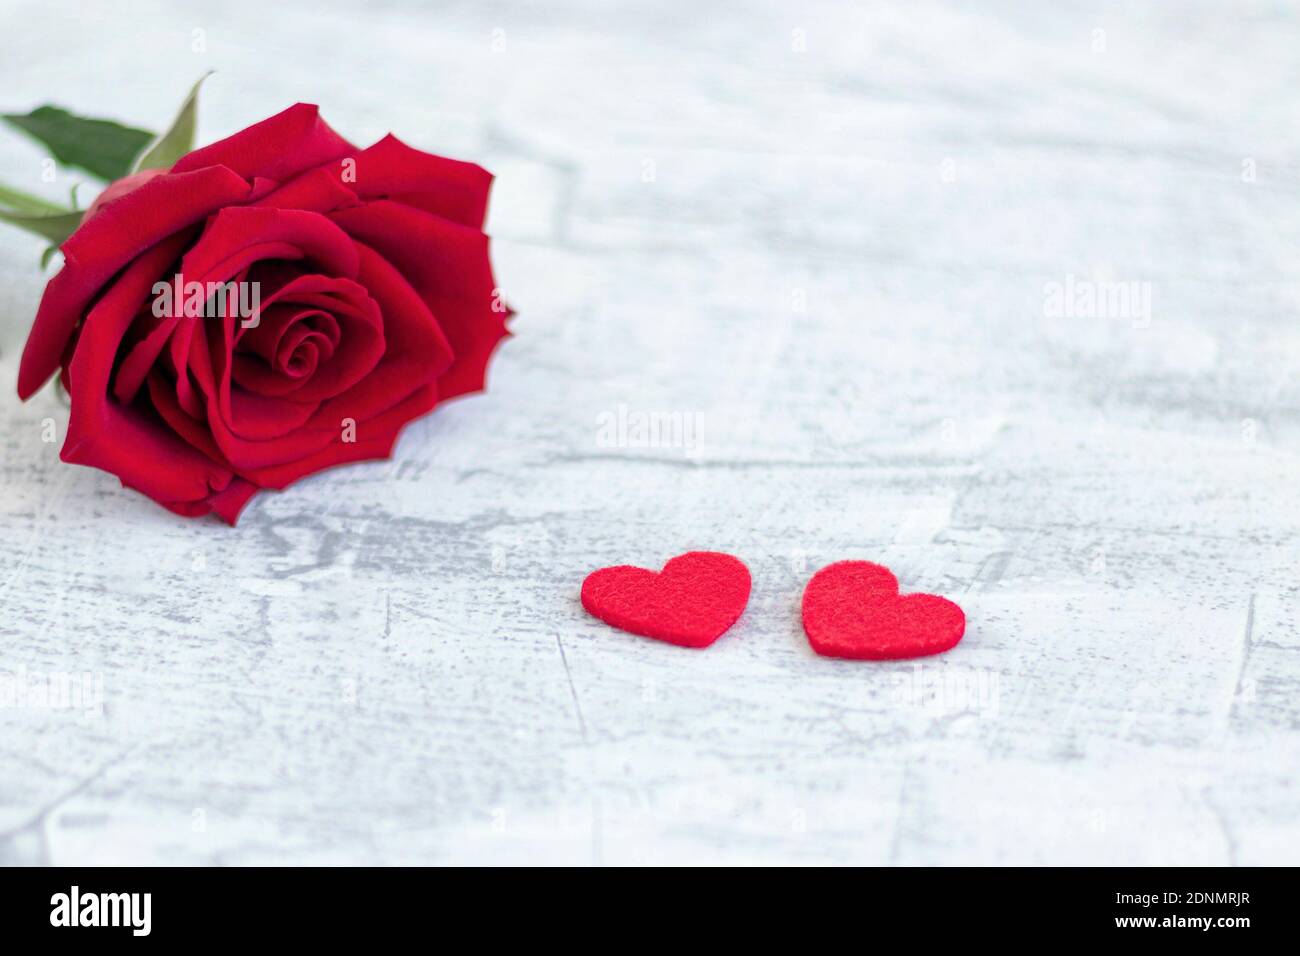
<point>820,242</point>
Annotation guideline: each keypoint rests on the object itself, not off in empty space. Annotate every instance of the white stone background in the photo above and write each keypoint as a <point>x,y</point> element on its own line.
<point>838,276</point>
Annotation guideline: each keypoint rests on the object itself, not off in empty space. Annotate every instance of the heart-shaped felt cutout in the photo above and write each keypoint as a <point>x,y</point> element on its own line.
<point>853,609</point>
<point>691,602</point>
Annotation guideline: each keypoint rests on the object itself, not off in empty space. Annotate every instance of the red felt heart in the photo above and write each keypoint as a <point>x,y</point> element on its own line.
<point>853,609</point>
<point>691,602</point>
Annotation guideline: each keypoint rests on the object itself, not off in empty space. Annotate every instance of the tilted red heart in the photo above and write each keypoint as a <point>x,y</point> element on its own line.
<point>853,609</point>
<point>691,602</point>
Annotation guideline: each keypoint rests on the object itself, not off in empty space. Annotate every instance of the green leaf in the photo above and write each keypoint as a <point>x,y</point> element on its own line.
<point>101,147</point>
<point>26,202</point>
<point>179,138</point>
<point>55,226</point>
<point>37,215</point>
<point>47,255</point>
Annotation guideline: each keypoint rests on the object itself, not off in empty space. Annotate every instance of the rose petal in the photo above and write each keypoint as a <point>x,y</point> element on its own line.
<point>120,187</point>
<point>235,238</point>
<point>257,418</point>
<point>226,503</point>
<point>243,453</point>
<point>129,441</point>
<point>447,264</point>
<point>106,242</point>
<point>317,190</point>
<point>278,148</point>
<point>241,235</point>
<point>230,501</point>
<point>357,339</point>
<point>416,352</point>
<point>374,440</point>
<point>446,187</point>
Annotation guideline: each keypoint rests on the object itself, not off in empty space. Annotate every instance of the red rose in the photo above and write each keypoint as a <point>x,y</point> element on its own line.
<point>373,301</point>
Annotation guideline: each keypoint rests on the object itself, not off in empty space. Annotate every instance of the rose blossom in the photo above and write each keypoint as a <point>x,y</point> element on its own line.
<point>376,302</point>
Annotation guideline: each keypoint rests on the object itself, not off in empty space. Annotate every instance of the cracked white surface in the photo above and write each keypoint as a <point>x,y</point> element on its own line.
<point>837,274</point>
